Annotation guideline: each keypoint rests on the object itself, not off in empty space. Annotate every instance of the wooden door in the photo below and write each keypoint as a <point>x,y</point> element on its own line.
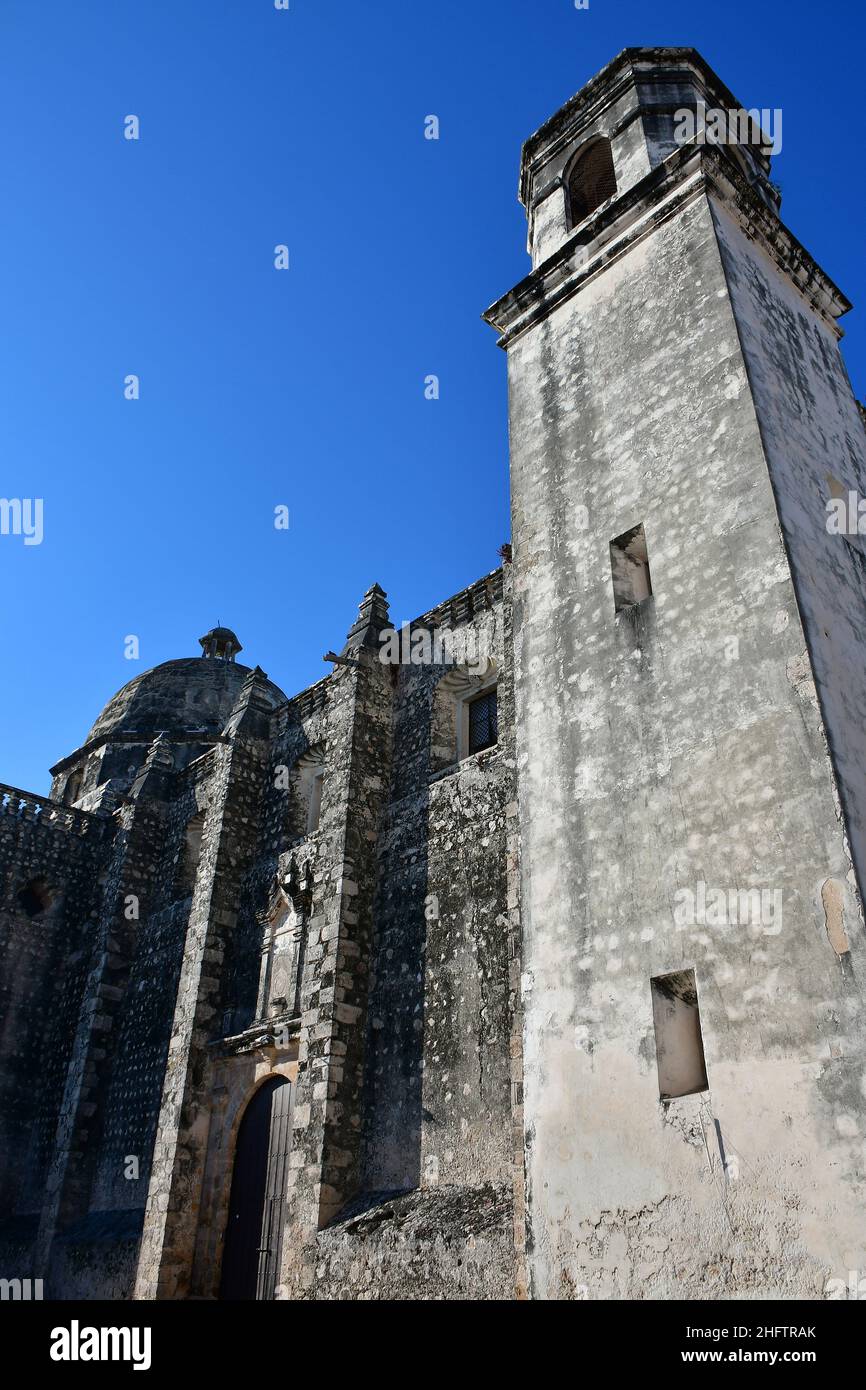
<point>257,1202</point>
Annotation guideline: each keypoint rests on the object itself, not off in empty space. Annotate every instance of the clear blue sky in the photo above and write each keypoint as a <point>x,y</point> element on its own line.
<point>302,388</point>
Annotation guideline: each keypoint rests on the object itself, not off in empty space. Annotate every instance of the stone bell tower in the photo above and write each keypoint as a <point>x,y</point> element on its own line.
<point>690,668</point>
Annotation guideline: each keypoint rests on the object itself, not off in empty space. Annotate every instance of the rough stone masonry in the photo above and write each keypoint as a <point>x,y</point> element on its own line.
<point>451,977</point>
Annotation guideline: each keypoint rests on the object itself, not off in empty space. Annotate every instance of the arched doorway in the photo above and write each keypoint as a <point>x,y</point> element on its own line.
<point>251,1254</point>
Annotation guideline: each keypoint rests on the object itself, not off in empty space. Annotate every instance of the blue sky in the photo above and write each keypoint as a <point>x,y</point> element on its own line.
<point>303,388</point>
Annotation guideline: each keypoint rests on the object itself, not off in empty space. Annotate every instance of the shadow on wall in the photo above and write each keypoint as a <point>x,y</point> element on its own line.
<point>393,1082</point>
<point>290,818</point>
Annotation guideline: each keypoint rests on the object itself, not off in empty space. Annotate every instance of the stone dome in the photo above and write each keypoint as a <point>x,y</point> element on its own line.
<point>190,695</point>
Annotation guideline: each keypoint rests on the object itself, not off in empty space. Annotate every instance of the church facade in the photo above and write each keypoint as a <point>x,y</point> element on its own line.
<point>522,955</point>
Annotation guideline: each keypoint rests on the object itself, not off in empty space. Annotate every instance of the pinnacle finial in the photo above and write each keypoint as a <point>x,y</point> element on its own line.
<point>372,618</point>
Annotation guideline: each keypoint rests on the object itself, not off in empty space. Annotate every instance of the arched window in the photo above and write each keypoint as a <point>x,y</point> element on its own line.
<point>282,941</point>
<point>591,180</point>
<point>464,716</point>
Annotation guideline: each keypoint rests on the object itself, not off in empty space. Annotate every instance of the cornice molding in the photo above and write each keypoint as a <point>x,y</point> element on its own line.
<point>689,173</point>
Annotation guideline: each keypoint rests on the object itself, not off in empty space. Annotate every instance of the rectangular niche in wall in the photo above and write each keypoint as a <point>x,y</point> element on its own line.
<point>314,808</point>
<point>679,1045</point>
<point>629,566</point>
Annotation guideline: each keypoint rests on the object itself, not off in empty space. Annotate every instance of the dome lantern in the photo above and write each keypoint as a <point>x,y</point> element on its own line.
<point>220,643</point>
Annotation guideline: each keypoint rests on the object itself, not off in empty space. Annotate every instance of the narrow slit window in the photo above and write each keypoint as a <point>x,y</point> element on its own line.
<point>72,790</point>
<point>629,567</point>
<point>483,722</point>
<point>314,808</point>
<point>186,868</point>
<point>679,1044</point>
<point>306,790</point>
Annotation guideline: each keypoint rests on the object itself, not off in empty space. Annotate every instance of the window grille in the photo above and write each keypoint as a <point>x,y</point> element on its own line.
<point>483,723</point>
<point>592,181</point>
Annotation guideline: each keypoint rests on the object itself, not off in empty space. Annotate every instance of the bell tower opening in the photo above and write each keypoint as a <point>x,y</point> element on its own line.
<point>591,180</point>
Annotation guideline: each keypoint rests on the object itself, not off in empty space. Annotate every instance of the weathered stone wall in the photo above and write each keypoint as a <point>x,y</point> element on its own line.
<point>407,886</point>
<point>89,1190</point>
<point>96,1257</point>
<point>42,971</point>
<point>456,1048</point>
<point>325,1166</point>
<point>130,1108</point>
<point>438,1071</point>
<point>663,747</point>
<point>449,1242</point>
<point>437,1115</point>
<point>227,848</point>
<point>258,1042</point>
<point>297,727</point>
<point>813,439</point>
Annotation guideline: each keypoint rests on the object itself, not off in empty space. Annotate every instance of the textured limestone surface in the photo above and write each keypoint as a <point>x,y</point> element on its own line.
<point>683,374</point>
<point>206,928</point>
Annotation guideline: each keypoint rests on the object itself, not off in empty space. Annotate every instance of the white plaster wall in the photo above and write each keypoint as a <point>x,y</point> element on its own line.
<point>652,755</point>
<point>810,428</point>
